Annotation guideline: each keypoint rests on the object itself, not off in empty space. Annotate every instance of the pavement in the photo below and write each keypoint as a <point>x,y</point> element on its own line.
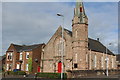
<point>0,75</point>
<point>103,76</point>
<point>32,77</point>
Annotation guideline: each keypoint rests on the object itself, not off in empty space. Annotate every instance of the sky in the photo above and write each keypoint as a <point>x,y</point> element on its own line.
<point>35,22</point>
<point>59,0</point>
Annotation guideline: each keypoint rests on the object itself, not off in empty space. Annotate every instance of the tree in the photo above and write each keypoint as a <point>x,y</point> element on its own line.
<point>30,64</point>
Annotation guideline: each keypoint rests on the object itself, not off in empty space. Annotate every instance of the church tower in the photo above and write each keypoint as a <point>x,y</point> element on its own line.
<point>80,38</point>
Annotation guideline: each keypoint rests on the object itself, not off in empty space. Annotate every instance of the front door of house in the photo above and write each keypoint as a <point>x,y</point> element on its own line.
<point>18,66</point>
<point>59,67</point>
<point>38,69</point>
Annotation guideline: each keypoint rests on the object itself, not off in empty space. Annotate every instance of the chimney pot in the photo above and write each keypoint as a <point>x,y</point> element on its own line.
<point>98,39</point>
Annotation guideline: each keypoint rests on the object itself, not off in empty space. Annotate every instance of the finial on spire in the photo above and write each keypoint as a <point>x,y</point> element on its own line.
<point>80,12</point>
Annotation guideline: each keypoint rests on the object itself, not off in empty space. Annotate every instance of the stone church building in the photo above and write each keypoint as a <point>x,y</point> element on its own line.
<point>80,52</point>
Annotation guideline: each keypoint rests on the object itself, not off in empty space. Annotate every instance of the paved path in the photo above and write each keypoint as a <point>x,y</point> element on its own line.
<point>60,79</point>
<point>103,76</point>
<point>0,75</point>
<point>31,77</point>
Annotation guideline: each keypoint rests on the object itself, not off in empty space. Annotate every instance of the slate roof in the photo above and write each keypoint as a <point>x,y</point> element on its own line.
<point>21,48</point>
<point>69,32</point>
<point>94,45</point>
<point>0,58</point>
<point>118,57</point>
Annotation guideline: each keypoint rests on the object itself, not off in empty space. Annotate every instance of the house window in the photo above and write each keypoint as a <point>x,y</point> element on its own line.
<point>21,56</point>
<point>26,67</point>
<point>9,56</point>
<point>75,65</point>
<point>7,67</point>
<point>27,55</point>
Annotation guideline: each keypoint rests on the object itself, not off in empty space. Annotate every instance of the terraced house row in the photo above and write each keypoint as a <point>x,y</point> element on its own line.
<point>79,51</point>
<point>18,56</point>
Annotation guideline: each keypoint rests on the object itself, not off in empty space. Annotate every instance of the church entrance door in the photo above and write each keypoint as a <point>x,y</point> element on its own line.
<point>59,67</point>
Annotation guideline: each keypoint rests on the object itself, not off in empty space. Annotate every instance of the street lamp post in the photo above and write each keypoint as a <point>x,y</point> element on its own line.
<point>62,44</point>
<point>107,61</point>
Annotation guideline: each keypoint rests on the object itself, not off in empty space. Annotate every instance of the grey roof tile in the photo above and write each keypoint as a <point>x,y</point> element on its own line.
<point>21,48</point>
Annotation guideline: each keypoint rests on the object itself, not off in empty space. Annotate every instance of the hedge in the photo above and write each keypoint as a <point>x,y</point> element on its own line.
<point>51,75</point>
<point>16,73</point>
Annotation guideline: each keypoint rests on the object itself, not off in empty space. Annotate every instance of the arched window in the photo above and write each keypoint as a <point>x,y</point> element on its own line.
<point>112,63</point>
<point>102,62</point>
<point>86,57</point>
<point>76,34</point>
<point>60,47</point>
<point>76,57</point>
<point>95,61</point>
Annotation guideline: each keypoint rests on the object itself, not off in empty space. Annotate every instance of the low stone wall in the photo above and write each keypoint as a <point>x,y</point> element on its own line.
<point>5,75</point>
<point>13,76</point>
<point>89,73</point>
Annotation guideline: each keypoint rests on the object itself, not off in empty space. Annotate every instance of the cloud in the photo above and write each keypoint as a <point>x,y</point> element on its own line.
<point>32,23</point>
<point>103,23</point>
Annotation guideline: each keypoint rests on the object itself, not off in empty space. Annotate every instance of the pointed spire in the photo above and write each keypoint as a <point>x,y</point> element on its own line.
<point>80,12</point>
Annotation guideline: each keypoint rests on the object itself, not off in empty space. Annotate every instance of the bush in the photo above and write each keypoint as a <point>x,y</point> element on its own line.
<point>0,70</point>
<point>16,73</point>
<point>9,72</point>
<point>51,75</point>
<point>21,73</point>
